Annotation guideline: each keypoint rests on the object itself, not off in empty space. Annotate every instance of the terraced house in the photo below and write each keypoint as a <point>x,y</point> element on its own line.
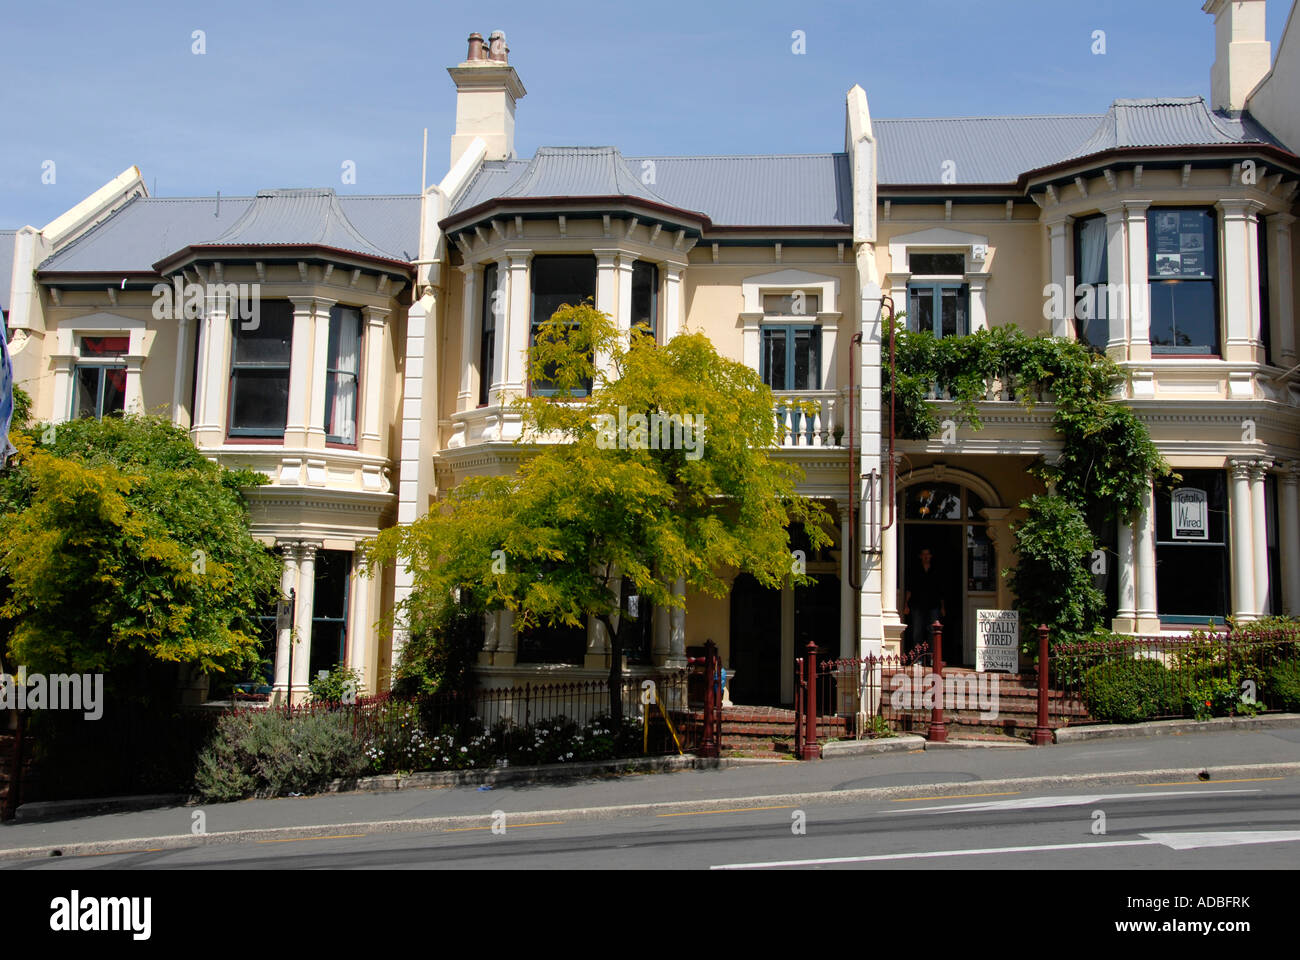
<point>363,351</point>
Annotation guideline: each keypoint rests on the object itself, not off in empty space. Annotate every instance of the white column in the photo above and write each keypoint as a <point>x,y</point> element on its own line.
<point>1240,260</point>
<point>1139,290</point>
<point>518,320</point>
<point>501,306</point>
<point>1289,539</point>
<point>300,370</point>
<point>677,629</point>
<point>829,324</point>
<point>623,314</point>
<point>288,585</point>
<point>672,300</point>
<point>469,339</point>
<point>506,632</point>
<point>1116,285</point>
<point>749,339</point>
<point>359,630</point>
<point>302,620</point>
<point>978,283</point>
<point>320,357</point>
<point>1259,533</point>
<point>197,415</point>
<point>216,369</point>
<point>606,302</point>
<point>1127,574</point>
<point>133,393</point>
<point>182,361</point>
<point>372,376</point>
<point>1062,280</point>
<point>1282,287</point>
<point>1243,553</point>
<point>1146,558</point>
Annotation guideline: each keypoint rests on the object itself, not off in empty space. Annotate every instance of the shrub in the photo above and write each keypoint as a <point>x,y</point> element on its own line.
<point>1283,684</point>
<point>1129,691</point>
<point>341,684</point>
<point>1051,580</point>
<point>266,753</point>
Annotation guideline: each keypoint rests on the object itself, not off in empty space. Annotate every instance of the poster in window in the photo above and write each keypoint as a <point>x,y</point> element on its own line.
<point>1191,514</point>
<point>1168,232</point>
<point>1169,264</point>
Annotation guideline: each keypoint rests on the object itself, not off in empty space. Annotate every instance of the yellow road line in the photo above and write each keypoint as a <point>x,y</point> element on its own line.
<point>337,836</point>
<point>701,813</point>
<point>512,826</point>
<point>956,796</point>
<point>1197,783</point>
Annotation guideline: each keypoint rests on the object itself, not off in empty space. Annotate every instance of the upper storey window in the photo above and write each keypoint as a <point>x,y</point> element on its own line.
<point>645,296</point>
<point>791,342</point>
<point>558,281</point>
<point>1092,268</point>
<point>938,298</point>
<point>1183,267</point>
<point>342,363</point>
<point>489,305</point>
<point>259,372</point>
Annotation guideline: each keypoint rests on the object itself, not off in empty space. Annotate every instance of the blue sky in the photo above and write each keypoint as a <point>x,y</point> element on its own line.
<point>289,91</point>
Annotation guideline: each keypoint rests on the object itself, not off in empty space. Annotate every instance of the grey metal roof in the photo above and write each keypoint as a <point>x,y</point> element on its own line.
<point>982,150</point>
<point>148,229</point>
<point>7,240</point>
<point>801,190</point>
<point>1170,122</point>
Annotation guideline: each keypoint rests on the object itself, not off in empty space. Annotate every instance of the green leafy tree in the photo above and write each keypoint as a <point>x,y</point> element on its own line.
<point>1052,583</point>
<point>591,506</point>
<point>122,546</point>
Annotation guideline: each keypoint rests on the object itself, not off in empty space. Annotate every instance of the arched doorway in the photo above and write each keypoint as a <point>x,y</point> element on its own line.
<point>944,519</point>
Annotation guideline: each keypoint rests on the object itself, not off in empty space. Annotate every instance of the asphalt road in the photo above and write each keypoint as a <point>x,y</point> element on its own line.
<point>1251,824</point>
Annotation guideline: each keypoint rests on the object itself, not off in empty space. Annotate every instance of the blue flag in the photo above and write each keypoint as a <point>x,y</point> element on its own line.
<point>6,397</point>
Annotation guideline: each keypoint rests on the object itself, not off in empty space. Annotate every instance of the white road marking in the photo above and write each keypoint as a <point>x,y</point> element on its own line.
<point>1033,803</point>
<point>1175,841</point>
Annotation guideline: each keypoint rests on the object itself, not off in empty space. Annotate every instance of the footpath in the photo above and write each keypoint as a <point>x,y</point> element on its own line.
<point>1232,753</point>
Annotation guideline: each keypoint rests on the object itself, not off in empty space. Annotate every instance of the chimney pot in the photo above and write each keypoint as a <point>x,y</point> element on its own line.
<point>475,47</point>
<point>498,49</point>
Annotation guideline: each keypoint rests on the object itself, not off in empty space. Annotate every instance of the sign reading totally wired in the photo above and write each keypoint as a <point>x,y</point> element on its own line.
<point>997,641</point>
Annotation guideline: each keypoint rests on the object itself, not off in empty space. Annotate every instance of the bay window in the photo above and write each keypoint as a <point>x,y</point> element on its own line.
<point>259,372</point>
<point>342,365</point>
<point>1183,269</point>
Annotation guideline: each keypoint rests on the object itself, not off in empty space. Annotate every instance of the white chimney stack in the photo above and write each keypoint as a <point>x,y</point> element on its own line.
<point>487,89</point>
<point>1242,57</point>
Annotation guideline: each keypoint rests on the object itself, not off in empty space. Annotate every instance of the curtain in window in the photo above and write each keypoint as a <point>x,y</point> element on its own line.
<point>1092,255</point>
<point>344,413</point>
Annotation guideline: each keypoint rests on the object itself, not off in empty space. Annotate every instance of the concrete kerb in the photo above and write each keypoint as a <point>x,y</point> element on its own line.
<point>592,814</point>
<point>859,748</point>
<point>1177,728</point>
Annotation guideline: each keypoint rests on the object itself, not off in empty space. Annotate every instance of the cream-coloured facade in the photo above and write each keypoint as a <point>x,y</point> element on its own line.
<point>396,327</point>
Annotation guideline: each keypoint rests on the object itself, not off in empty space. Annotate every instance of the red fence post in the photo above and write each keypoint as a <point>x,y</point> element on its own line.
<point>1042,733</point>
<point>811,748</point>
<point>710,747</point>
<point>938,729</point>
<point>799,683</point>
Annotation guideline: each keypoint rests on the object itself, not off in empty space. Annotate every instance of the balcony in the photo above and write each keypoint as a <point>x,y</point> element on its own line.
<point>811,418</point>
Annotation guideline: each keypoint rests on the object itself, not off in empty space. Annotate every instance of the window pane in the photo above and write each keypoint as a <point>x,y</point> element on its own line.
<point>86,402</point>
<point>937,264</point>
<point>271,341</point>
<point>645,294</point>
<point>1092,267</point>
<point>1180,242</point>
<point>488,320</point>
<point>114,391</point>
<point>561,280</point>
<point>104,346</point>
<point>981,560</point>
<point>921,309</point>
<point>807,360</point>
<point>954,313</point>
<point>936,501</point>
<point>259,400</point>
<point>788,305</point>
<point>1192,574</point>
<point>342,363</point>
<point>774,359</point>
<point>1184,317</point>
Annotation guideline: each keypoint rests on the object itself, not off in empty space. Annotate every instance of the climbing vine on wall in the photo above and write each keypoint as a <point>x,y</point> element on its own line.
<point>1106,464</point>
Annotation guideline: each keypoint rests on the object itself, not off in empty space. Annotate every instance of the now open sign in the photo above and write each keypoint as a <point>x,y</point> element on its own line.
<point>997,641</point>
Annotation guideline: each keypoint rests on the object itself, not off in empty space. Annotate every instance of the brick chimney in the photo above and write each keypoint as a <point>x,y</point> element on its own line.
<point>1242,57</point>
<point>487,88</point>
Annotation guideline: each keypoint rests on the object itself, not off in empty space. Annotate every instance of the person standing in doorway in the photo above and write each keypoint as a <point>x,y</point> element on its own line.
<point>924,598</point>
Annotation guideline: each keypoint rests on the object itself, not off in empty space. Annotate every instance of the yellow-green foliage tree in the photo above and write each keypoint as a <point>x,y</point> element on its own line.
<point>122,545</point>
<point>596,502</point>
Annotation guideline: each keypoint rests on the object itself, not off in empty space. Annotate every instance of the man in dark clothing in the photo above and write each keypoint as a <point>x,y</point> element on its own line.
<point>924,599</point>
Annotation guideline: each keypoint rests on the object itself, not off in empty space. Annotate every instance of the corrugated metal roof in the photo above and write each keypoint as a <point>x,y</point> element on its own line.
<point>492,178</point>
<point>297,216</point>
<point>6,265</point>
<point>579,172</point>
<point>1171,122</point>
<point>981,150</point>
<point>148,229</point>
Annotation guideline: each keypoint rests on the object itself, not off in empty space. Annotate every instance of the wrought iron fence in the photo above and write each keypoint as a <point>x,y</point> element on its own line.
<point>863,697</point>
<point>1201,675</point>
